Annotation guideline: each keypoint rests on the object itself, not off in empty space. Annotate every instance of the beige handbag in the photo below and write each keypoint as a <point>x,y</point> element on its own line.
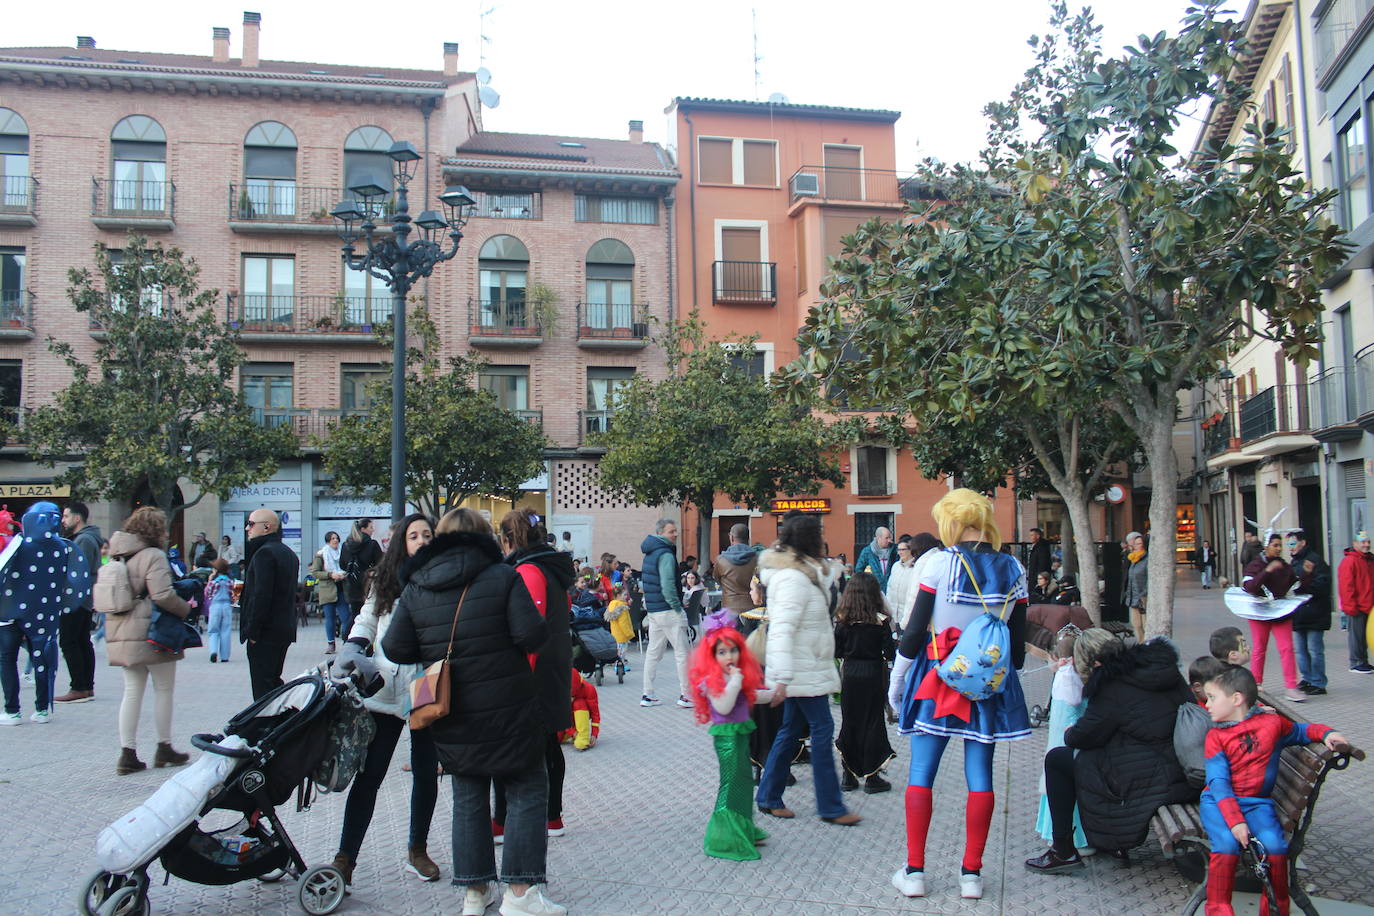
<point>431,692</point>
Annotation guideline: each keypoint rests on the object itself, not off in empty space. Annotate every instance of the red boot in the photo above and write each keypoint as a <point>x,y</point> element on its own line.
<point>918,810</point>
<point>1278,876</point>
<point>1221,881</point>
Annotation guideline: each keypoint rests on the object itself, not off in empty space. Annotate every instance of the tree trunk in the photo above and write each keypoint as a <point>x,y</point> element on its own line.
<point>1066,542</point>
<point>705,513</point>
<point>1079,506</point>
<point>1158,439</point>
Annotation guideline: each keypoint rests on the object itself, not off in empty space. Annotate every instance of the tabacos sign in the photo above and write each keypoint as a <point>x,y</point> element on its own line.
<point>813,505</point>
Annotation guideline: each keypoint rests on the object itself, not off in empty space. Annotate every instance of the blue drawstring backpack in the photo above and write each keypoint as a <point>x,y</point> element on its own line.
<point>977,667</point>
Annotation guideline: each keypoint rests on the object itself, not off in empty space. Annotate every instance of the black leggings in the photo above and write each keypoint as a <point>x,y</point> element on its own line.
<point>1061,795</point>
<point>362,798</point>
<point>553,762</point>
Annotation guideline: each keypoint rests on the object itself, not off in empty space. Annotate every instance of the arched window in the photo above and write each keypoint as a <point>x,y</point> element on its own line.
<point>14,161</point>
<point>504,266</point>
<point>269,171</point>
<point>139,148</point>
<point>610,285</point>
<point>365,157</point>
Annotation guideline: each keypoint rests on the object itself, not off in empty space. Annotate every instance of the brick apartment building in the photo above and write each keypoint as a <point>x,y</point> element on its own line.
<point>237,161</point>
<point>770,190</point>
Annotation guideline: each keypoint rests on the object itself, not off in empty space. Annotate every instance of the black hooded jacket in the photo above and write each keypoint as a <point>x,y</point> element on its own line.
<point>494,726</point>
<point>553,670</point>
<point>267,607</point>
<point>1126,768</point>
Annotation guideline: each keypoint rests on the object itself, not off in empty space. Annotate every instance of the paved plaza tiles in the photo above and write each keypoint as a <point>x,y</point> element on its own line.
<point>635,807</point>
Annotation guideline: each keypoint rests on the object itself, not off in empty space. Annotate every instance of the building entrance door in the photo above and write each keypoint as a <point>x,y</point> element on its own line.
<point>865,525</point>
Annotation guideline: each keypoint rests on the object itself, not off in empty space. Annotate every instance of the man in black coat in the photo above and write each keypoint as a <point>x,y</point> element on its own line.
<point>1040,559</point>
<point>267,607</point>
<point>1313,618</point>
<point>359,555</point>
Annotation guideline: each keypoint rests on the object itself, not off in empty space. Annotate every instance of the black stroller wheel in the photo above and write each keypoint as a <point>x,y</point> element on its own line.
<point>598,677</point>
<point>321,890</point>
<point>96,891</point>
<point>127,901</point>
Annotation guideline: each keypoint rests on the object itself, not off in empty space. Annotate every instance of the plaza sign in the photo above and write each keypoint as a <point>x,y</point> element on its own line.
<point>33,490</point>
<point>813,505</point>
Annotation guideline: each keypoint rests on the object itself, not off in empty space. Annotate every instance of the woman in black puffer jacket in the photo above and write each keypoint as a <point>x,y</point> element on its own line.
<point>495,728</point>
<point>1125,767</point>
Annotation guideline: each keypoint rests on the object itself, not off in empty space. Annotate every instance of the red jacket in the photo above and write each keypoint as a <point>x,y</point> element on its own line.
<point>1355,579</point>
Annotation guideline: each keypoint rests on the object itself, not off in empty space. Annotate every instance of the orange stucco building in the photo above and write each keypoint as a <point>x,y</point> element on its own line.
<point>768,191</point>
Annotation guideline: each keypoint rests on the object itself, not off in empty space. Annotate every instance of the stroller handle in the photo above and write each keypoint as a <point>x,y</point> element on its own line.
<point>210,744</point>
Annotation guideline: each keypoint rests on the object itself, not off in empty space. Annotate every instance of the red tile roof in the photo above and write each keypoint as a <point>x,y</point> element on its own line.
<point>137,61</point>
<point>548,151</point>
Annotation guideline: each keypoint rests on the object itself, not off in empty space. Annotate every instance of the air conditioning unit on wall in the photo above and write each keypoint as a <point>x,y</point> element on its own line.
<point>806,184</point>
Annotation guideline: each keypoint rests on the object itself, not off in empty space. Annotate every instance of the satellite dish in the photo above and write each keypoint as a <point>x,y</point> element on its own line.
<point>483,75</point>
<point>489,96</point>
<point>777,98</point>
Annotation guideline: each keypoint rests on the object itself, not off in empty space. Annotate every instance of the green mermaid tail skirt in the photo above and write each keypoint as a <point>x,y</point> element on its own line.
<point>731,834</point>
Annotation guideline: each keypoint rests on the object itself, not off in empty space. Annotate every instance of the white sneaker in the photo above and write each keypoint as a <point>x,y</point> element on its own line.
<point>42,717</point>
<point>647,700</point>
<point>910,885</point>
<point>684,702</point>
<point>475,902</point>
<point>11,718</point>
<point>971,887</point>
<point>533,903</point>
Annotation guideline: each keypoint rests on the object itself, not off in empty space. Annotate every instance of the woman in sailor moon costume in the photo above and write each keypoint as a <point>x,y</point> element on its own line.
<point>957,584</point>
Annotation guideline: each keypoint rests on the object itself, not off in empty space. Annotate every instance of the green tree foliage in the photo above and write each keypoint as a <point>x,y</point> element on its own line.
<point>157,404</point>
<point>710,427</point>
<point>1098,271</point>
<point>459,441</point>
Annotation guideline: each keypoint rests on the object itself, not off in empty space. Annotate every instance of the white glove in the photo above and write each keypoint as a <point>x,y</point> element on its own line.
<point>896,683</point>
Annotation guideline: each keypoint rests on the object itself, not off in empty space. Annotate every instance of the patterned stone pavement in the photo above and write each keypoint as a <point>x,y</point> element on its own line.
<point>636,806</point>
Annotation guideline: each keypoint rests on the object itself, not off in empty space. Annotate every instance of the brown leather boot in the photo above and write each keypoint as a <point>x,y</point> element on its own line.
<point>419,863</point>
<point>128,762</point>
<point>345,866</point>
<point>166,757</point>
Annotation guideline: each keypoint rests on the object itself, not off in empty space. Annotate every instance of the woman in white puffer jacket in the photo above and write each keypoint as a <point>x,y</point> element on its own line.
<point>801,666</point>
<point>904,581</point>
<point>390,708</point>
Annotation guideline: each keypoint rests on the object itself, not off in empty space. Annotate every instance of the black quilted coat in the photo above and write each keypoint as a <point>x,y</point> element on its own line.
<point>495,726</point>
<point>553,671</point>
<point>1126,768</point>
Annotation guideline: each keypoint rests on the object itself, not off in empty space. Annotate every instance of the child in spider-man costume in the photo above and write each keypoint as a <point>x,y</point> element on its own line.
<point>1242,751</point>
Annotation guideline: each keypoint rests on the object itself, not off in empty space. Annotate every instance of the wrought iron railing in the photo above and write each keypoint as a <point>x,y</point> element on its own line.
<point>1337,397</point>
<point>16,309</point>
<point>509,204</point>
<point>1278,409</point>
<point>612,321</point>
<point>311,425</point>
<point>503,318</point>
<point>283,201</point>
<point>1216,435</point>
<point>336,314</point>
<point>842,183</point>
<point>533,416</point>
<point>591,422</point>
<point>1364,381</point>
<point>132,199</point>
<point>745,282</point>
<point>1334,30</point>
<point>18,194</point>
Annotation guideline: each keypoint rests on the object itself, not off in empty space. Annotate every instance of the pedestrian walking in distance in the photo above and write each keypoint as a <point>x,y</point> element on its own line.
<point>359,555</point>
<point>665,617</point>
<point>1312,619</point>
<point>267,606</point>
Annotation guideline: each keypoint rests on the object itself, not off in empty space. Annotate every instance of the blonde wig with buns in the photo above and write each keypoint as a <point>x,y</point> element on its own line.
<point>965,508</point>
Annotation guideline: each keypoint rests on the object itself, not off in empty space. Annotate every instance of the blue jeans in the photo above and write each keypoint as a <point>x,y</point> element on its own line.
<point>526,836</point>
<point>816,712</point>
<point>221,631</point>
<point>333,620</point>
<point>1310,649</point>
<point>1206,577</point>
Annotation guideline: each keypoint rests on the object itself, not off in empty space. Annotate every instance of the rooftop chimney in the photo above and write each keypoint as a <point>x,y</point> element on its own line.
<point>450,58</point>
<point>252,24</point>
<point>85,41</point>
<point>636,131</point>
<point>221,55</point>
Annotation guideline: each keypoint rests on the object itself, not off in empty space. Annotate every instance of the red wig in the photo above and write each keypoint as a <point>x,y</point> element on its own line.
<point>704,669</point>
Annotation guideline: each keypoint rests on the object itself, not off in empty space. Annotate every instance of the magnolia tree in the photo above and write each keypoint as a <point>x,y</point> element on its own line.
<point>1082,268</point>
<point>157,404</point>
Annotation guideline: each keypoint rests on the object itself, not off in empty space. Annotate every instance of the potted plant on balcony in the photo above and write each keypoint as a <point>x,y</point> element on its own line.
<point>542,303</point>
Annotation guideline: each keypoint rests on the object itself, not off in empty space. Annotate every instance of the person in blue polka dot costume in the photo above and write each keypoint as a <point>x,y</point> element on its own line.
<point>42,577</point>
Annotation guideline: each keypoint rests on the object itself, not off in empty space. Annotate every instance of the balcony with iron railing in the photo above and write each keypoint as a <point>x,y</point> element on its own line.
<point>281,205</point>
<point>612,326</point>
<point>1216,434</point>
<point>18,200</point>
<point>831,184</point>
<point>503,323</point>
<point>1339,23</point>
<point>744,283</point>
<point>16,313</point>
<point>310,425</point>
<point>121,204</point>
<point>590,423</point>
<point>508,205</point>
<point>1364,387</point>
<point>1276,420</point>
<point>1335,405</point>
<point>308,318</point>
<point>533,416</point>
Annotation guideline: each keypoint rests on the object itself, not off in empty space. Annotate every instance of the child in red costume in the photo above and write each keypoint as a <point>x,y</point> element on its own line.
<point>1242,751</point>
<point>586,714</point>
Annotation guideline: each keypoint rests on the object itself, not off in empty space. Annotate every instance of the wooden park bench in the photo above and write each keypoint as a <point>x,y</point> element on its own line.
<point>1302,771</point>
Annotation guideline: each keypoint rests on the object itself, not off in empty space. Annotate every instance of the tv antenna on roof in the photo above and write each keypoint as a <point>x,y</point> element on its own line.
<point>758,80</point>
<point>488,96</point>
<point>777,98</point>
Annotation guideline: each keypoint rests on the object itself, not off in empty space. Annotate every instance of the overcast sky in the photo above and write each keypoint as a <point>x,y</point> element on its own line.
<point>586,68</point>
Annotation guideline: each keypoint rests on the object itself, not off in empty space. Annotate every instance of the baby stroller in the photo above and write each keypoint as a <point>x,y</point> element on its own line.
<point>593,648</point>
<point>312,731</point>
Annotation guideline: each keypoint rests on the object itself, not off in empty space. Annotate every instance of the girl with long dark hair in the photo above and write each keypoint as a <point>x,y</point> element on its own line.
<point>863,643</point>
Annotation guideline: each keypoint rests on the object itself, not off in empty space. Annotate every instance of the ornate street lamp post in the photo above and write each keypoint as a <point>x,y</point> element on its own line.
<point>400,263</point>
